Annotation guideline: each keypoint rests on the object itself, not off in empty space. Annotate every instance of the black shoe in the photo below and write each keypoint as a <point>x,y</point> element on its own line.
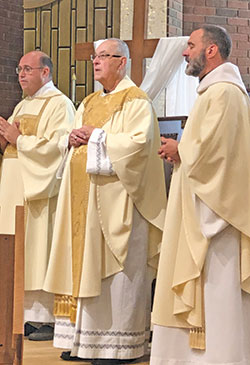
<point>66,355</point>
<point>28,329</point>
<point>44,333</point>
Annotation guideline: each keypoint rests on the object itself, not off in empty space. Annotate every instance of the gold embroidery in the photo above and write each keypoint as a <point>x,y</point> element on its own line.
<point>102,108</point>
<point>28,127</point>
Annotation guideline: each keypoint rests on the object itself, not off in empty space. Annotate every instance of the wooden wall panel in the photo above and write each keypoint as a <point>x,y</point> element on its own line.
<point>64,21</point>
<point>29,20</point>
<point>64,70</point>
<point>55,28</point>
<point>81,16</point>
<point>45,31</point>
<point>100,29</point>
<point>38,29</point>
<point>29,40</point>
<point>54,10</point>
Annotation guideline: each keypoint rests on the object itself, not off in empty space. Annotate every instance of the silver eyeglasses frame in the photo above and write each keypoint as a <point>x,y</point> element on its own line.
<point>27,69</point>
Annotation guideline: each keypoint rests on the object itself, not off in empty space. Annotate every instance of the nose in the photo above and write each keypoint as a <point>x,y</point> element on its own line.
<point>96,60</point>
<point>185,52</point>
<point>21,73</point>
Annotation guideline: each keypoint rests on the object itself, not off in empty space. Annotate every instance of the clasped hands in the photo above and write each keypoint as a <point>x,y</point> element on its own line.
<point>80,136</point>
<point>169,150</point>
<point>10,132</point>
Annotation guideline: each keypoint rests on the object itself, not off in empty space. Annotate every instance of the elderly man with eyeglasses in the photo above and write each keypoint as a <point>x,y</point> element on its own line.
<point>29,144</point>
<point>122,200</point>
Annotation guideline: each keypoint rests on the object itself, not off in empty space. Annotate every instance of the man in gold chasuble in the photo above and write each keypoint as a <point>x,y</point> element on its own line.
<point>106,264</point>
<point>202,302</point>
<point>29,144</point>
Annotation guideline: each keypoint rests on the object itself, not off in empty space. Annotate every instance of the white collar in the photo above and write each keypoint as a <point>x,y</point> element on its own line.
<point>49,86</point>
<point>227,72</point>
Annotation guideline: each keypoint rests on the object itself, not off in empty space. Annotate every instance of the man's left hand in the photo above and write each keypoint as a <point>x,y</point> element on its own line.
<point>86,132</point>
<point>9,131</point>
<point>169,150</point>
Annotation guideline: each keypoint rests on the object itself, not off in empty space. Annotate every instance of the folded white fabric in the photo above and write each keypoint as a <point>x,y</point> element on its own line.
<point>98,161</point>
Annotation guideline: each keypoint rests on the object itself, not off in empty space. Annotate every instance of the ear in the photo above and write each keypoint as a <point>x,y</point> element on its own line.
<point>212,50</point>
<point>123,62</point>
<point>45,71</point>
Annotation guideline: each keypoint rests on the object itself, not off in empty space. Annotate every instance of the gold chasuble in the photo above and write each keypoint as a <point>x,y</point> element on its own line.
<point>96,215</point>
<point>215,160</point>
<point>28,175</point>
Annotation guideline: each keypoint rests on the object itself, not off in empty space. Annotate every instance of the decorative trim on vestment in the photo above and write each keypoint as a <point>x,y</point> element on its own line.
<point>65,337</point>
<point>197,338</point>
<point>108,346</point>
<point>98,152</point>
<point>110,333</point>
<point>65,306</point>
<point>197,335</point>
<point>137,339</point>
<point>63,323</point>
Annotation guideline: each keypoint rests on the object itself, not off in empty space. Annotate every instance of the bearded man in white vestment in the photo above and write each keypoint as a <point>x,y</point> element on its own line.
<point>29,144</point>
<point>201,311</point>
<point>122,198</point>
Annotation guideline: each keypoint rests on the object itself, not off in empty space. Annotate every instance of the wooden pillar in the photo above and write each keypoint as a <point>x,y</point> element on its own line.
<point>12,293</point>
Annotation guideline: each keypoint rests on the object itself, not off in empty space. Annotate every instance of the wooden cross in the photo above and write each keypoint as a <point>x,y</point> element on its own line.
<point>139,47</point>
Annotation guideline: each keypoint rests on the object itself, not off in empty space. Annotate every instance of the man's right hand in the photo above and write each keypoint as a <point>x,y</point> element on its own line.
<point>77,138</point>
<point>169,150</point>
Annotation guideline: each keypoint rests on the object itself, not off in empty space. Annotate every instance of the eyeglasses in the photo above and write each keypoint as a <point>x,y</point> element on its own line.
<point>103,56</point>
<point>27,69</point>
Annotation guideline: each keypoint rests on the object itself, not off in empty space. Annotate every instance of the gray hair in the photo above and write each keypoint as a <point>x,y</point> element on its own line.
<point>45,60</point>
<point>219,36</point>
<point>121,47</point>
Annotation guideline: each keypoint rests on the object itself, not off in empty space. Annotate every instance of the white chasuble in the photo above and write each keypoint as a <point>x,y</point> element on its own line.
<point>132,141</point>
<point>123,228</point>
<point>28,175</point>
<point>204,269</point>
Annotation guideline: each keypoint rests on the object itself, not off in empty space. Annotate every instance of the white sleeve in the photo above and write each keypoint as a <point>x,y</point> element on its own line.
<point>98,161</point>
<point>210,222</point>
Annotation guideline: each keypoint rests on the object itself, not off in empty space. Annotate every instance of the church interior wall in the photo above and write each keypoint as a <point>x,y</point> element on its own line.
<point>55,25</point>
<point>54,28</point>
<point>11,44</point>
<point>234,15</point>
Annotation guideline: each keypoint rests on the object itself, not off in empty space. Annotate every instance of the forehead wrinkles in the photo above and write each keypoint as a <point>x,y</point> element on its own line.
<point>106,47</point>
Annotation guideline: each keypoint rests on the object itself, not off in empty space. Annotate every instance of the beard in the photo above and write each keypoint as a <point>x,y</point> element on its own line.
<point>195,66</point>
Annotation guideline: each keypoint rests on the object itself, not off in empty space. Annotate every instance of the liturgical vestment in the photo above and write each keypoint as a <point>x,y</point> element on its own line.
<point>204,271</point>
<point>28,177</point>
<point>125,212</point>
